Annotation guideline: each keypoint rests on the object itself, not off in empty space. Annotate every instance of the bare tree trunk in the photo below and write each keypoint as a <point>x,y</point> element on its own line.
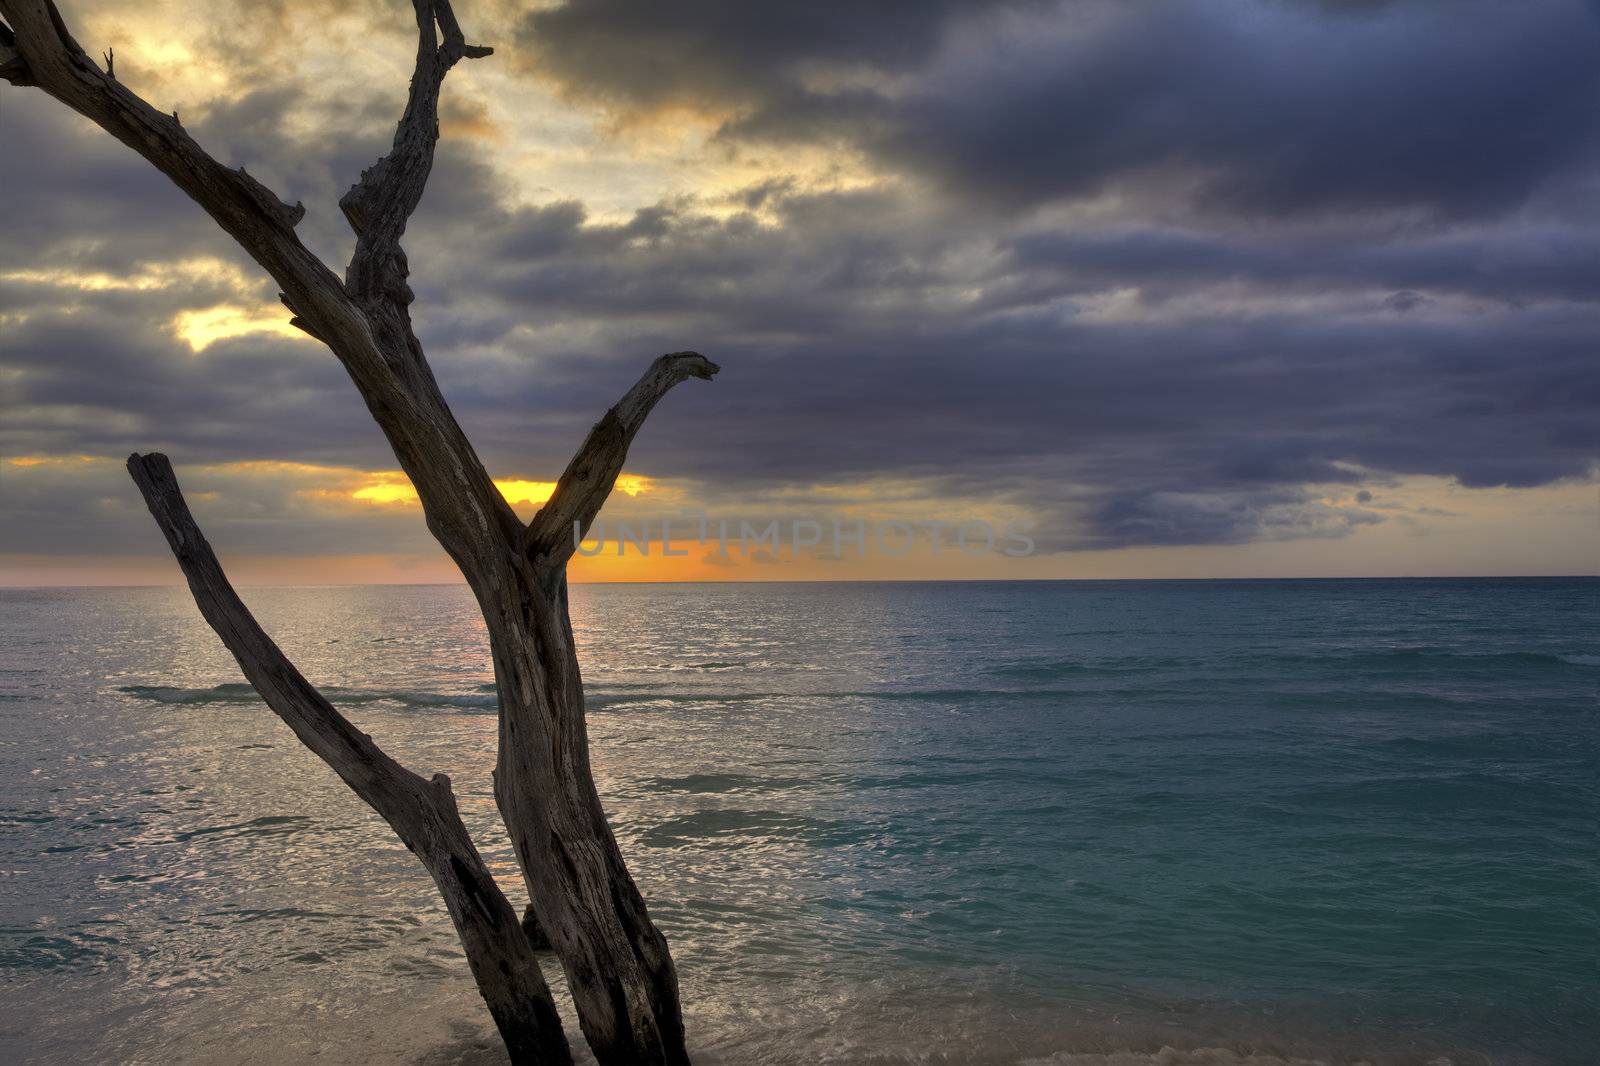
<point>616,960</point>
<point>617,963</point>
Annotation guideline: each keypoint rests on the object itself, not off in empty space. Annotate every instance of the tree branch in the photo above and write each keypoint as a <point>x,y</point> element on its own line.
<point>37,49</point>
<point>422,813</point>
<point>583,487</point>
<point>373,775</point>
<point>381,202</point>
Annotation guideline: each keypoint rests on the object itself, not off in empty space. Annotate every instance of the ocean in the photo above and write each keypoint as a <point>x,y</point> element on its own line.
<point>1065,823</point>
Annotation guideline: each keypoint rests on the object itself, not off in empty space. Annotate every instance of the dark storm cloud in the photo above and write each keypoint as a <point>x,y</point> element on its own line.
<point>1161,518</point>
<point>704,52</point>
<point>1413,292</point>
<point>75,196</point>
<point>1254,109</point>
<point>84,382</point>
<point>1178,425</point>
<point>1506,263</point>
<point>1454,109</point>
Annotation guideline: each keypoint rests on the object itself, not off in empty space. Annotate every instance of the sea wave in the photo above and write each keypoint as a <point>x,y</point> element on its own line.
<point>1018,680</point>
<point>1051,669</point>
<point>239,694</point>
<point>602,699</point>
<point>1402,658</point>
<point>1431,655</point>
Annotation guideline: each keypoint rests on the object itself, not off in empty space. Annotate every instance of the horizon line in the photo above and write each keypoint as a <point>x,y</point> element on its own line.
<point>857,581</point>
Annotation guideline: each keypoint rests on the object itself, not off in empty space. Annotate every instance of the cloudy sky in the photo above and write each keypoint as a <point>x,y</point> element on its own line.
<point>1202,288</point>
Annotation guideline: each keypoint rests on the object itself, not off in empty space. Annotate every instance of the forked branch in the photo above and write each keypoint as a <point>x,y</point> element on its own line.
<point>422,812</point>
<point>583,487</point>
<point>379,204</point>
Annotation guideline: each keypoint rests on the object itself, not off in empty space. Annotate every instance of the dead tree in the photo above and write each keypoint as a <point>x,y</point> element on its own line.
<point>616,962</point>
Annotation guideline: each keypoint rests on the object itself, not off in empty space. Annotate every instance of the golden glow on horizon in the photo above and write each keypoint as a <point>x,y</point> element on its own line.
<point>387,491</point>
<point>533,493</point>
<point>391,487</point>
<point>1431,527</point>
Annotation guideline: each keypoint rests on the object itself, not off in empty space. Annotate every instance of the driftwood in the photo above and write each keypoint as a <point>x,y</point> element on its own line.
<point>617,964</point>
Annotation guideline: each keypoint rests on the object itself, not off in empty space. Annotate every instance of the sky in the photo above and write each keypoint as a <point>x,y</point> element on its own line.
<point>1216,288</point>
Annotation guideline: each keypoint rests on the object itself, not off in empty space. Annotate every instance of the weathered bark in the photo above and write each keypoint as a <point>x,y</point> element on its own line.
<point>617,962</point>
<point>422,813</point>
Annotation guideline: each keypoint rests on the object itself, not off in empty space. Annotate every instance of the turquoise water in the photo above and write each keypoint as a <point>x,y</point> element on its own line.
<point>954,823</point>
